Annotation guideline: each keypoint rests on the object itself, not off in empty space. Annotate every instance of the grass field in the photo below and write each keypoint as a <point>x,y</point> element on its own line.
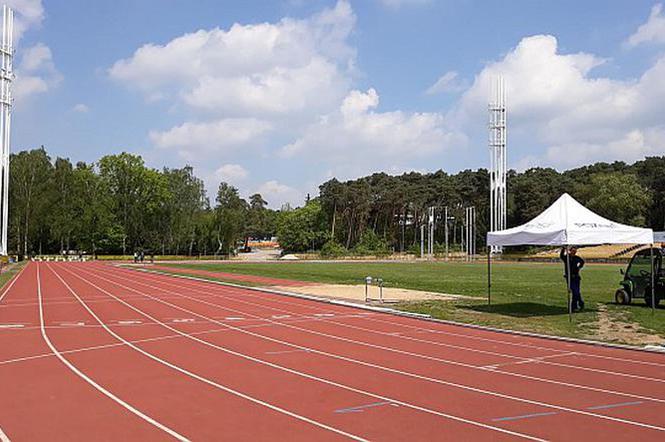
<point>525,296</point>
<point>9,272</point>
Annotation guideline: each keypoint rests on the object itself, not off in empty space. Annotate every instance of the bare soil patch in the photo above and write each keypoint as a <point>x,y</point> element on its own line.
<point>616,328</point>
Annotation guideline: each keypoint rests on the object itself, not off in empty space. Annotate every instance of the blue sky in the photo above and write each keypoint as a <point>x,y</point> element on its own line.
<point>279,96</point>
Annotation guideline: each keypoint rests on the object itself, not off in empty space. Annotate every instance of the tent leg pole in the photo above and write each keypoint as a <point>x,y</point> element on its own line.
<point>489,276</point>
<point>653,284</point>
<point>570,305</point>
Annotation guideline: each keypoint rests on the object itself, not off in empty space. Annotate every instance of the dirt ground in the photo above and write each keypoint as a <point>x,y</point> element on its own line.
<point>357,293</point>
<point>615,330</point>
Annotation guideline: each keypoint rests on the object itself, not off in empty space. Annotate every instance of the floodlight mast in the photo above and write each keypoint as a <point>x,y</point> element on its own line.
<point>6,77</point>
<point>498,164</point>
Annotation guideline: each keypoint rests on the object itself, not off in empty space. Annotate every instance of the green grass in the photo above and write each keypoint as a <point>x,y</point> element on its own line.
<point>9,272</point>
<point>525,296</point>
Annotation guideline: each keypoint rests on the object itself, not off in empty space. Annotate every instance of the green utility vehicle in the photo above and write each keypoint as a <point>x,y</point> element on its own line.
<point>637,279</point>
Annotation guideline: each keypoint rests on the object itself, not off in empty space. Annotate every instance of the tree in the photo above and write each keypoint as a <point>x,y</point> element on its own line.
<point>617,196</point>
<point>303,229</point>
<point>230,217</point>
<point>30,178</point>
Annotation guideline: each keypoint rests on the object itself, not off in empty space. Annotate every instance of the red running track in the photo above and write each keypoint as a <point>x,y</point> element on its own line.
<point>90,351</point>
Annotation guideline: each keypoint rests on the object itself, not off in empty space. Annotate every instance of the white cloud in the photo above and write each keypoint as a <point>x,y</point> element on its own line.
<point>276,194</point>
<point>210,139</point>
<point>358,135</point>
<point>653,31</point>
<point>292,66</point>
<point>231,173</point>
<point>553,100</point>
<point>36,72</point>
<point>448,82</point>
<point>27,14</point>
<point>81,108</point>
<point>396,4</point>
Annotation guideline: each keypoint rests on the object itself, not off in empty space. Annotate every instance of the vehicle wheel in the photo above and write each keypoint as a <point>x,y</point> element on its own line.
<point>622,297</point>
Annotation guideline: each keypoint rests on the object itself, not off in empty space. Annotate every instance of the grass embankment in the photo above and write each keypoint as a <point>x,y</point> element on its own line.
<point>8,273</point>
<point>525,296</point>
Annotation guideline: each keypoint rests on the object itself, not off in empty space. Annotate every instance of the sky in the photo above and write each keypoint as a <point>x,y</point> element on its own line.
<point>278,96</point>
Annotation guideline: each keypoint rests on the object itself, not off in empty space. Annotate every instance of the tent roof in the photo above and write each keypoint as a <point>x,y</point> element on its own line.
<point>567,222</point>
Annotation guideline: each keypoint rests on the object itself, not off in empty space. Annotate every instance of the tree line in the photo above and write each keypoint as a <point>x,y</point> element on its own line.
<point>118,205</point>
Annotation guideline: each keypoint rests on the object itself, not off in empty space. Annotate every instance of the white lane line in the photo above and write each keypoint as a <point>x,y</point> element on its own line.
<point>404,373</point>
<point>72,324</point>
<point>184,280</point>
<point>282,352</point>
<point>89,380</point>
<point>3,436</point>
<point>120,344</point>
<point>12,325</point>
<point>507,373</point>
<point>180,321</point>
<point>129,322</point>
<point>234,318</point>
<point>279,367</point>
<point>526,361</point>
<point>189,373</point>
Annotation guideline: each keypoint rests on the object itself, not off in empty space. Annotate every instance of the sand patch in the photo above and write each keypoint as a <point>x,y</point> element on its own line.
<point>357,293</point>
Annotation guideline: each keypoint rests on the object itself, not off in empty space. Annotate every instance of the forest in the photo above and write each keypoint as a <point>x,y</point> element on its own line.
<point>118,205</point>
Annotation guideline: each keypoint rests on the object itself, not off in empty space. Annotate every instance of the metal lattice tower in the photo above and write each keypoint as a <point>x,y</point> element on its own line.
<point>498,164</point>
<point>6,77</point>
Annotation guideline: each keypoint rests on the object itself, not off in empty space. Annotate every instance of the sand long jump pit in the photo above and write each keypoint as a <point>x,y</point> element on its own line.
<point>356,293</point>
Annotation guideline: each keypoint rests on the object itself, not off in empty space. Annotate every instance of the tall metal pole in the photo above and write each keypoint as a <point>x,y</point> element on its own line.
<point>422,241</point>
<point>6,77</point>
<point>498,162</point>
<point>570,305</point>
<point>489,275</point>
<point>653,283</point>
<point>445,217</point>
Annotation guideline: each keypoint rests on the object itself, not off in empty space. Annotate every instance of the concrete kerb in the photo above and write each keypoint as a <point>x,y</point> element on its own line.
<point>421,316</point>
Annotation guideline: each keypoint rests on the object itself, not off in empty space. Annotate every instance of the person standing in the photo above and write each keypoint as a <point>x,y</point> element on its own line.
<point>576,264</point>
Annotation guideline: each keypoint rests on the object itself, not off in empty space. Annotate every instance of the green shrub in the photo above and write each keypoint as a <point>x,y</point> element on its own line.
<point>333,249</point>
<point>371,244</point>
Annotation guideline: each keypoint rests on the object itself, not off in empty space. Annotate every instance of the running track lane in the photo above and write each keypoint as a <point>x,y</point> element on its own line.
<point>220,301</point>
<point>612,425</point>
<point>305,393</point>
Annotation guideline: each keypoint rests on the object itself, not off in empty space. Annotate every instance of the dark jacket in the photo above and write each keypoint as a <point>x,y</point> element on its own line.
<point>576,264</point>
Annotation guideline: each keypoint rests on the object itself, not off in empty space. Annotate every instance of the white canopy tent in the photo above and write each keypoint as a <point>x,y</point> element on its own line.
<point>566,223</point>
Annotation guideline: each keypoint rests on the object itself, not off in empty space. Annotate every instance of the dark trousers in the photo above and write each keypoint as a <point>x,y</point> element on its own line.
<point>576,301</point>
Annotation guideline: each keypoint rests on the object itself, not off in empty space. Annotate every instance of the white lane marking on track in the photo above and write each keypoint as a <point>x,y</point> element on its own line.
<point>83,376</point>
<point>12,325</point>
<point>422,330</point>
<point>3,436</point>
<point>415,329</point>
<point>279,367</point>
<point>285,352</point>
<point>179,321</point>
<point>280,316</point>
<point>183,278</point>
<point>191,374</point>
<point>72,324</point>
<point>129,322</point>
<point>324,315</point>
<point>234,318</point>
<point>138,341</point>
<point>526,361</point>
<point>414,375</point>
